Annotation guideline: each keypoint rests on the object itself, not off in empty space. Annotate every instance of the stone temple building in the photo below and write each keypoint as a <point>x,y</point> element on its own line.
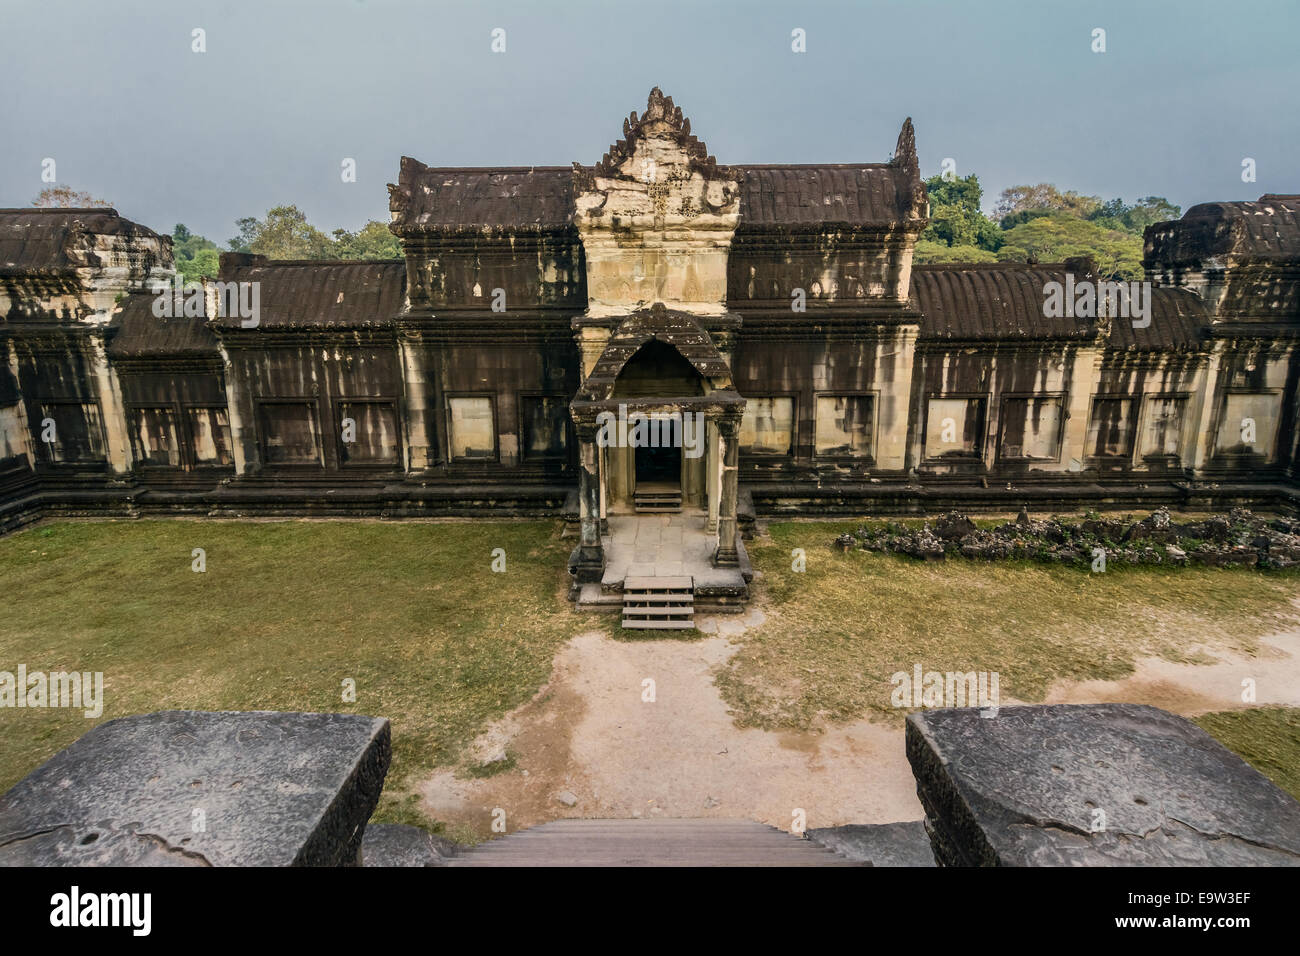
<point>767,320</point>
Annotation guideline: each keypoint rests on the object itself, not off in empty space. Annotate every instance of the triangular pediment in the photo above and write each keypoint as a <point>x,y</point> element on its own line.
<point>661,120</point>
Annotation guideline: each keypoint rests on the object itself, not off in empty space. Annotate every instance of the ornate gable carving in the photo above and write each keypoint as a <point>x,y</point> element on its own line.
<point>656,216</point>
<point>661,118</point>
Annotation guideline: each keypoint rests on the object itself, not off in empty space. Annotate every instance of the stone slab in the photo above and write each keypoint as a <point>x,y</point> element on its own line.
<point>1024,789</point>
<point>882,844</point>
<point>274,789</point>
<point>397,844</point>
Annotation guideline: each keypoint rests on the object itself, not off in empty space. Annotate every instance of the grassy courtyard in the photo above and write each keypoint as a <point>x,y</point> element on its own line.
<point>837,631</point>
<point>284,613</point>
<point>1267,738</point>
<point>287,611</point>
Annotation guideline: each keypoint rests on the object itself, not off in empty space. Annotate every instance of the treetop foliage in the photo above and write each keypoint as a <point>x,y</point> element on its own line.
<point>1037,222</point>
<point>284,233</point>
<point>65,197</point>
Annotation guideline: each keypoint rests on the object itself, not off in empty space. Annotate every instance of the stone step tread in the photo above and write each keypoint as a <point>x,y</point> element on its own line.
<point>669,842</point>
<point>659,625</point>
<point>658,584</point>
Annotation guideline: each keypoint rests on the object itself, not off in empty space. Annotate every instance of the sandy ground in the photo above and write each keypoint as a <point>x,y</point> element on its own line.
<point>590,735</point>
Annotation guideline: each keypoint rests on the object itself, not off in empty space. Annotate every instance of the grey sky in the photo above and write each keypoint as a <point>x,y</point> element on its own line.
<point>288,88</point>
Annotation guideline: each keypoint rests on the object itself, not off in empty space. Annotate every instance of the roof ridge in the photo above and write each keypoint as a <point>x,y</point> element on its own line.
<point>67,210</point>
<point>1001,264</point>
<point>320,262</point>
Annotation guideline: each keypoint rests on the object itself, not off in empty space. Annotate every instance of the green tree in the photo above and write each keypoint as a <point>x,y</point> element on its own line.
<point>955,216</point>
<point>248,227</point>
<point>1116,214</point>
<point>1039,198</point>
<point>373,241</point>
<point>285,233</point>
<point>1054,237</point>
<point>928,251</point>
<point>196,257</point>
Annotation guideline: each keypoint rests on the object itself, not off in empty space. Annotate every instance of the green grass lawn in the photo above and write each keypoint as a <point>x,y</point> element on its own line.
<point>835,633</point>
<point>441,645</point>
<point>1267,738</point>
<point>283,614</point>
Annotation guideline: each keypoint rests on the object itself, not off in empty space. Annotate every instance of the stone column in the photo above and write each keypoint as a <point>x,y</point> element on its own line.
<point>602,458</point>
<point>240,412</point>
<point>713,477</point>
<point>1206,415</point>
<point>727,555</point>
<point>891,452</point>
<point>415,401</point>
<point>15,435</point>
<point>116,430</point>
<point>1084,374</point>
<point>588,560</point>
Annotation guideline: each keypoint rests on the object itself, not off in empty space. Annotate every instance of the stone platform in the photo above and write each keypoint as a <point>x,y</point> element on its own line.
<point>667,546</point>
<point>193,788</point>
<point>1093,785</point>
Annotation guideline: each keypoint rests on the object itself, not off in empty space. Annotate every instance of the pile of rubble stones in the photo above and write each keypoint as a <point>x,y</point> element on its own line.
<point>1237,538</point>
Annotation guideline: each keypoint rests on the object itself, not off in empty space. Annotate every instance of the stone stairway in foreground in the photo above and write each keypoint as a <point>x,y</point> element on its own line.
<point>661,603</point>
<point>674,842</point>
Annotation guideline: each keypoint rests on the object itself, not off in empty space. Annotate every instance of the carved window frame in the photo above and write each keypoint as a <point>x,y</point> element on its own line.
<point>1062,402</point>
<point>870,457</point>
<point>263,446</point>
<point>767,457</point>
<point>976,455</point>
<point>461,460</point>
<point>340,446</point>
<point>1185,440</point>
<point>522,398</point>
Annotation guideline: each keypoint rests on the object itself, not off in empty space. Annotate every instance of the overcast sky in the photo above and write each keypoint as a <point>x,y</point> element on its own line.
<point>289,88</point>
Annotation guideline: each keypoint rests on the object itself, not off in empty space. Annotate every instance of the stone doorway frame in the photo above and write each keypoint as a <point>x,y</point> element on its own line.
<point>721,407</point>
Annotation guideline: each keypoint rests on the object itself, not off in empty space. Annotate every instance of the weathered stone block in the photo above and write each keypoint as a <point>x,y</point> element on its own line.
<point>1093,785</point>
<point>953,526</point>
<point>396,844</point>
<point>198,788</point>
<point>882,844</point>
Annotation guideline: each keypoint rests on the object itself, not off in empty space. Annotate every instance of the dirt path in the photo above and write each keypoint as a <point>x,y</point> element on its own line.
<point>589,736</point>
<point>1194,689</point>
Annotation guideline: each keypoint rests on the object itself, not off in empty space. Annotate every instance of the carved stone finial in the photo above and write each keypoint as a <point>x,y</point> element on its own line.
<point>905,151</point>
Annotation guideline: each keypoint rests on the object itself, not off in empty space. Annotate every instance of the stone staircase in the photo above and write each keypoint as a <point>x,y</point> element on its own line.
<point>673,842</point>
<point>659,603</point>
<point>657,498</point>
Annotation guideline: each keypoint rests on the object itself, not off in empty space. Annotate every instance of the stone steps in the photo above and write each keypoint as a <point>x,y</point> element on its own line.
<point>655,603</point>
<point>658,502</point>
<point>672,842</point>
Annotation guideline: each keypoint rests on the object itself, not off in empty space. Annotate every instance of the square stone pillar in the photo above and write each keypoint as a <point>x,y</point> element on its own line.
<point>895,399</point>
<point>415,404</point>
<point>116,430</point>
<point>240,412</point>
<point>713,478</point>
<point>727,554</point>
<point>587,563</point>
<point>1205,414</point>
<point>1084,374</point>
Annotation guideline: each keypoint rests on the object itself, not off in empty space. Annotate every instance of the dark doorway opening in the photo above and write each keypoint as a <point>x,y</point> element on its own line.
<point>659,466</point>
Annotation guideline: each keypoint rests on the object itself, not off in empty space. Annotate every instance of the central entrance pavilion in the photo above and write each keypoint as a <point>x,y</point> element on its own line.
<point>658,423</point>
<point>656,218</point>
